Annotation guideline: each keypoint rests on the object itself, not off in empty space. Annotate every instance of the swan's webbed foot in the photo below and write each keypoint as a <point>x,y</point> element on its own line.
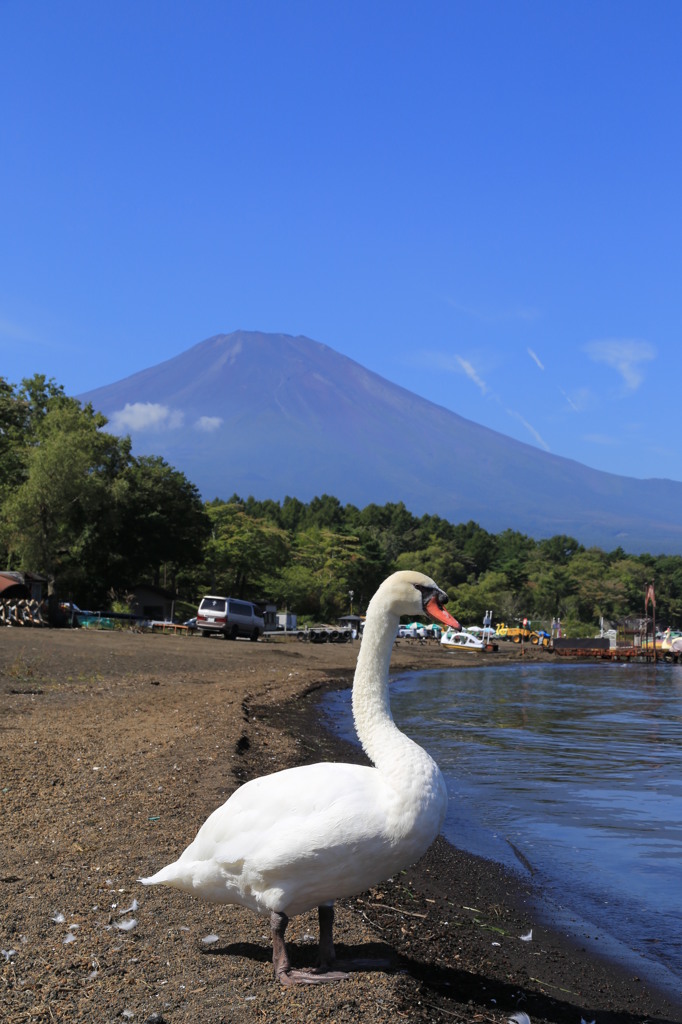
<point>311,976</point>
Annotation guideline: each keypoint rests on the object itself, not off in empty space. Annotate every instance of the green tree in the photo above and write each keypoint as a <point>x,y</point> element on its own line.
<point>22,409</point>
<point>76,506</point>
<point>514,551</point>
<point>58,519</point>
<point>666,573</point>
<point>441,561</point>
<point>321,572</point>
<point>552,587</point>
<point>241,552</point>
<point>470,601</point>
<point>560,549</point>
<point>159,527</point>
<point>391,526</point>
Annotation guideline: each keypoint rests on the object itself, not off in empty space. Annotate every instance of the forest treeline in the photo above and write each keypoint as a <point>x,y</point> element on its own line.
<point>79,507</point>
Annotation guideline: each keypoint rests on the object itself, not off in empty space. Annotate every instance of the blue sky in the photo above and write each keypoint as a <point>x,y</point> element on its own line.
<point>479,200</point>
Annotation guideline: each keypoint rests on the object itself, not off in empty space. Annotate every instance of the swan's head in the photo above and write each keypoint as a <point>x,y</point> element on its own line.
<point>413,593</point>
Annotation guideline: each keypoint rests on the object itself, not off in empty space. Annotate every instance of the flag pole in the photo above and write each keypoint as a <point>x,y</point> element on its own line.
<point>650,596</point>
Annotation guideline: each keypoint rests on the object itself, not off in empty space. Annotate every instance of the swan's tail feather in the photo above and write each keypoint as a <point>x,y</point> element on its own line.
<point>166,876</point>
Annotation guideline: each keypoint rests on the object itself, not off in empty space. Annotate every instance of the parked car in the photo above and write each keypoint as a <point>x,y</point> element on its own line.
<point>406,631</point>
<point>229,617</point>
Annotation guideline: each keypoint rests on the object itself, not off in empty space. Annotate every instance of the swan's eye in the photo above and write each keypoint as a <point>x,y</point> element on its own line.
<point>429,593</point>
<point>433,599</point>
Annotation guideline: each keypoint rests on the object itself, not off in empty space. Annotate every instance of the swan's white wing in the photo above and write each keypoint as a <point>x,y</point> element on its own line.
<point>280,818</point>
<point>290,840</point>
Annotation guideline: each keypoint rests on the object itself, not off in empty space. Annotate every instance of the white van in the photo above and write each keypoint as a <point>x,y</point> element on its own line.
<point>230,617</point>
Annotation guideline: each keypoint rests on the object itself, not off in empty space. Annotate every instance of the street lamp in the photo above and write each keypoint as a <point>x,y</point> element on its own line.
<point>350,595</point>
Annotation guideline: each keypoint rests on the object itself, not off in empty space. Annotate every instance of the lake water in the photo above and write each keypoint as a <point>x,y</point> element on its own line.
<point>574,771</point>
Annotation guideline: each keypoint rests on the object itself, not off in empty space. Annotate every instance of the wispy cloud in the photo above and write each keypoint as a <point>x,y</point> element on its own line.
<point>458,364</point>
<point>471,373</point>
<point>623,355</point>
<point>530,428</point>
<point>455,364</point>
<point>145,416</point>
<point>535,358</point>
<point>579,399</point>
<point>208,423</point>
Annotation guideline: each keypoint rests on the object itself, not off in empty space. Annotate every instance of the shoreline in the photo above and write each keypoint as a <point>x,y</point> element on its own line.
<point>529,908</point>
<point>116,746</point>
<point>555,909</point>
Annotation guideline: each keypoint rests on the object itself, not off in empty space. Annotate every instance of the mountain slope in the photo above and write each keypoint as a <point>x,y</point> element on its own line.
<point>274,415</point>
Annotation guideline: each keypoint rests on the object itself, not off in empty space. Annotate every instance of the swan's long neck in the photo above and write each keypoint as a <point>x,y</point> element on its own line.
<point>380,737</point>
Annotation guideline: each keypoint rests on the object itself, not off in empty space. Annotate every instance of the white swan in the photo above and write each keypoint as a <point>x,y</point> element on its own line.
<point>303,837</point>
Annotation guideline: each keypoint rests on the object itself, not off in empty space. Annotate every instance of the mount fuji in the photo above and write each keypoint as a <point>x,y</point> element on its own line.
<point>272,415</point>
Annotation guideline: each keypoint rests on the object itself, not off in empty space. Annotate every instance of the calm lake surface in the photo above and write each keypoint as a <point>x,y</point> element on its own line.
<point>574,770</point>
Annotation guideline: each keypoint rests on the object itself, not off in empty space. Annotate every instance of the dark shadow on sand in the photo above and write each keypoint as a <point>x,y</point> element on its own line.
<point>371,956</point>
<point>444,985</point>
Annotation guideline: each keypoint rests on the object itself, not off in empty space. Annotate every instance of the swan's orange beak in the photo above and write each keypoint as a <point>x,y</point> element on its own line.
<point>439,613</point>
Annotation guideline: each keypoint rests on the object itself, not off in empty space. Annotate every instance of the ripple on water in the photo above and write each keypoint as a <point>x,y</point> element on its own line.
<point>576,767</point>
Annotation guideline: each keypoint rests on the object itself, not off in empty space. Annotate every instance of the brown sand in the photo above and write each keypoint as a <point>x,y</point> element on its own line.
<point>114,747</point>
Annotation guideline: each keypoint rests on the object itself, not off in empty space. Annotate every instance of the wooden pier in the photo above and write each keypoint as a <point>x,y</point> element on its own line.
<point>637,654</point>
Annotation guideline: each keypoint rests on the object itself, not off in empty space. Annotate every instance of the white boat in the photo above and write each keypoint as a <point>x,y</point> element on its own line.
<point>484,633</point>
<point>462,640</point>
<point>670,641</point>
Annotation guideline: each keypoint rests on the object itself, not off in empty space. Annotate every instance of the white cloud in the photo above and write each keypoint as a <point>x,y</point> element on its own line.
<point>534,358</point>
<point>623,355</point>
<point>574,406</point>
<point>208,423</point>
<point>531,430</point>
<point>579,400</point>
<point>176,419</point>
<point>145,416</point>
<point>455,364</point>
<point>469,370</point>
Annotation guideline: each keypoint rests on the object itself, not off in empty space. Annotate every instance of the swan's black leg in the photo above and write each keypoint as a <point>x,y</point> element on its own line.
<point>280,958</point>
<point>326,956</point>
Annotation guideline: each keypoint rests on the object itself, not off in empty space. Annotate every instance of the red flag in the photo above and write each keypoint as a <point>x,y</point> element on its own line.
<point>650,596</point>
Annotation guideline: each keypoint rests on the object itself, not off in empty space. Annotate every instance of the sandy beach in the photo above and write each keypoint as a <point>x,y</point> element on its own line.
<point>115,746</point>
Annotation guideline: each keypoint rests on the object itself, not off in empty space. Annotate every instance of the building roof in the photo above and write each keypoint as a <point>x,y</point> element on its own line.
<point>12,585</point>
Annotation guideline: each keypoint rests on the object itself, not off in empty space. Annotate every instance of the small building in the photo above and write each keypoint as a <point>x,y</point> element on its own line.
<point>269,610</point>
<point>153,603</point>
<point>29,585</point>
<point>352,622</point>
<point>287,621</point>
<point>355,621</point>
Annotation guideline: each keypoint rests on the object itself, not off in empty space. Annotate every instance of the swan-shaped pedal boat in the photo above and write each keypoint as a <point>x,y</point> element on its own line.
<point>304,837</point>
